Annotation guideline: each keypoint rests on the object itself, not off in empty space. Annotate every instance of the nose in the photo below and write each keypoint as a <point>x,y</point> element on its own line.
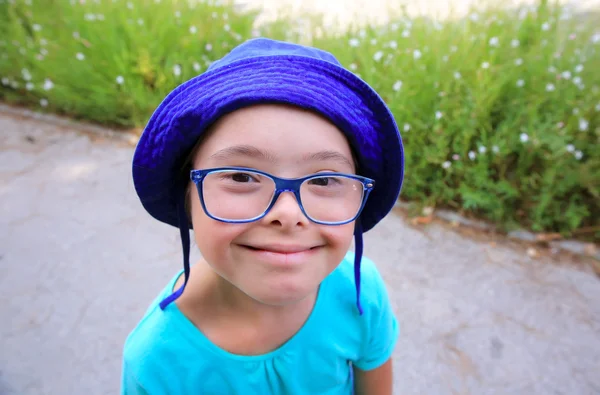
<point>286,212</point>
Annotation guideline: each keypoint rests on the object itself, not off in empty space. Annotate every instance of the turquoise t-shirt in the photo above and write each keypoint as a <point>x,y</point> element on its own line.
<point>167,354</point>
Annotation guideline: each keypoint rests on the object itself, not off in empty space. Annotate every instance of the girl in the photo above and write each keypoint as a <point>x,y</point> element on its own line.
<point>277,157</point>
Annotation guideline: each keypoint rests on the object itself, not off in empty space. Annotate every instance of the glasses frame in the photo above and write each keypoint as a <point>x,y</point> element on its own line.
<point>281,185</point>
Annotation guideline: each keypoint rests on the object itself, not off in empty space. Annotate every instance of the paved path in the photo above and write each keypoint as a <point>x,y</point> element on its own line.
<point>80,260</point>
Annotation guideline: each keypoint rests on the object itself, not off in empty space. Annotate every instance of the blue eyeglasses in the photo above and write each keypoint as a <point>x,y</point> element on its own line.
<point>242,195</point>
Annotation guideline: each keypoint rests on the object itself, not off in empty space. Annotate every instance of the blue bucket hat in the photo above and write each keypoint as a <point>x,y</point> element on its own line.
<point>268,71</point>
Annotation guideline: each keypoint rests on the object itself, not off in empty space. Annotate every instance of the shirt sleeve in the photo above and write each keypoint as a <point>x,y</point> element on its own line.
<point>129,383</point>
<point>381,326</point>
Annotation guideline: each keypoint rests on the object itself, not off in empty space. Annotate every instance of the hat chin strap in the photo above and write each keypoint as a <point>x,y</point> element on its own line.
<point>184,232</point>
<point>358,251</point>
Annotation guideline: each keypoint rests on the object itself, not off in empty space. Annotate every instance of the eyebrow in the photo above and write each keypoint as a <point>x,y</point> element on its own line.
<point>243,150</point>
<point>250,151</point>
<point>329,155</point>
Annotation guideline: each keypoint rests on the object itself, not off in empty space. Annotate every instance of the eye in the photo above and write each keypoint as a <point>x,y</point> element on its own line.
<point>242,177</point>
<point>323,181</point>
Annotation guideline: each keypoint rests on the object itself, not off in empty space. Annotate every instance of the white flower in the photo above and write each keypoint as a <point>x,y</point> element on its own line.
<point>579,68</point>
<point>575,111</point>
<point>393,44</point>
<point>438,115</point>
<point>26,74</point>
<point>446,164</point>
<point>577,80</point>
<point>29,86</point>
<point>445,58</point>
<point>570,148</point>
<point>406,33</point>
<point>546,26</point>
<point>417,54</point>
<point>482,150</point>
<point>48,84</point>
<point>215,15</point>
<point>397,86</point>
<point>225,16</point>
<point>495,149</point>
<point>394,27</point>
<point>485,65</point>
<point>474,17</point>
<point>120,80</point>
<point>36,27</point>
<point>515,43</point>
<point>196,66</point>
<point>43,102</point>
<point>130,5</point>
<point>193,30</point>
<point>457,75</point>
<point>550,88</point>
<point>378,55</point>
<point>456,157</point>
<point>552,69</point>
<point>208,47</point>
<point>177,14</point>
<point>596,38</point>
<point>578,155</point>
<point>89,17</point>
<point>354,42</point>
<point>5,81</point>
<point>177,70</point>
<point>524,137</point>
<point>406,127</point>
<point>453,48</point>
<point>494,41</point>
<point>76,35</point>
<point>518,61</point>
<point>523,13</point>
<point>520,83</point>
<point>43,51</point>
<point>100,17</point>
<point>583,125</point>
<point>597,107</point>
<point>14,84</point>
<point>472,155</point>
<point>226,27</point>
<point>140,21</point>
<point>43,41</point>
<point>373,41</point>
<point>353,66</point>
<point>566,75</point>
<point>80,56</point>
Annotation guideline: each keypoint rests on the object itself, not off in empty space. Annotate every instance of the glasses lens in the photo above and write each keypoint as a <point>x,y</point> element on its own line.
<point>237,194</point>
<point>331,198</point>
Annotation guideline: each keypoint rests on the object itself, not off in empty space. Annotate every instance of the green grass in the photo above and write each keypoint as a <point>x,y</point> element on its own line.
<point>500,113</point>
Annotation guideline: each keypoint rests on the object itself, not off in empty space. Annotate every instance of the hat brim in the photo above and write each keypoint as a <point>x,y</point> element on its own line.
<point>318,85</point>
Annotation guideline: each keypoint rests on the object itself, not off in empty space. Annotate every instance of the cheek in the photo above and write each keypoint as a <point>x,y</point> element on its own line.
<point>339,237</point>
<point>213,238</point>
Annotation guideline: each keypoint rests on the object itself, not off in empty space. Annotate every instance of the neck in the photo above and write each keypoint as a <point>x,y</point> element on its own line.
<point>233,302</point>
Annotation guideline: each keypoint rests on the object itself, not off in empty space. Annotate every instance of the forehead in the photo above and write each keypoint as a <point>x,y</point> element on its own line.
<point>284,133</point>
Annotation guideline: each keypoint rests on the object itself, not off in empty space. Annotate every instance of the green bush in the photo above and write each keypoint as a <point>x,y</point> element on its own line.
<point>499,111</point>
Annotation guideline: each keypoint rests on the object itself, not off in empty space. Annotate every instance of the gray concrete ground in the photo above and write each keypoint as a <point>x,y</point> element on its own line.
<point>80,260</point>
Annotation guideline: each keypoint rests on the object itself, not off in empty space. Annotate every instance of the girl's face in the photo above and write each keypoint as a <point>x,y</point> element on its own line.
<point>283,257</point>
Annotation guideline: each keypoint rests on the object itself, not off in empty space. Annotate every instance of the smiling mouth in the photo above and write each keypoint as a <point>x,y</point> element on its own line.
<point>278,250</point>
